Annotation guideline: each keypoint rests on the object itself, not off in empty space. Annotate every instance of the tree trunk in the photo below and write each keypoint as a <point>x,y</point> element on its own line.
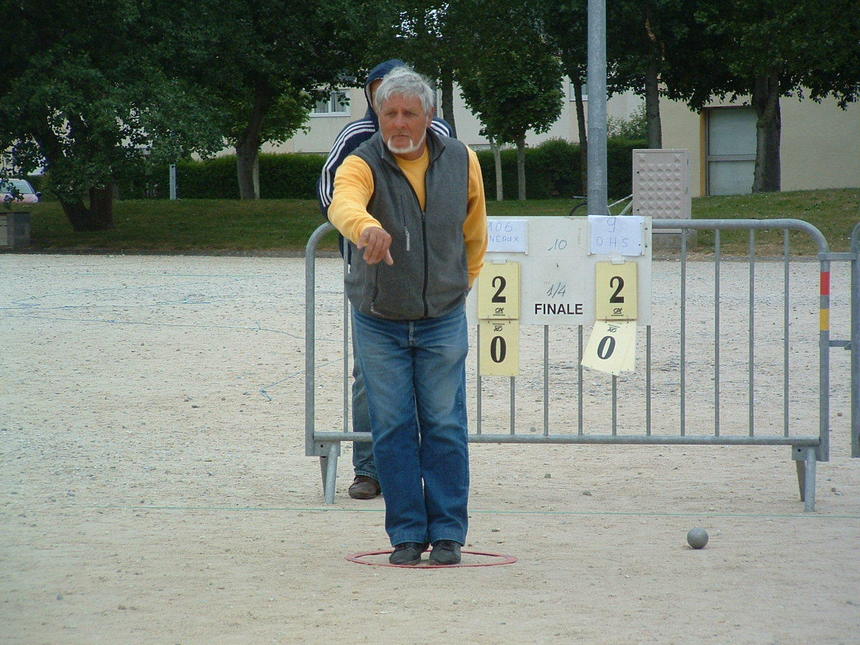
<point>583,136</point>
<point>248,171</point>
<point>248,148</point>
<point>78,214</point>
<point>652,106</point>
<point>497,161</point>
<point>98,217</point>
<point>447,83</point>
<point>765,99</point>
<point>521,168</point>
<point>652,90</point>
<point>101,207</point>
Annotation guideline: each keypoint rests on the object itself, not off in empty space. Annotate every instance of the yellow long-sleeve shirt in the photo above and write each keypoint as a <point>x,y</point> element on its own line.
<point>353,189</point>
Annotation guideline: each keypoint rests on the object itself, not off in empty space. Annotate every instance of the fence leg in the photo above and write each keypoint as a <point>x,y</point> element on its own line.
<point>804,457</point>
<point>328,468</point>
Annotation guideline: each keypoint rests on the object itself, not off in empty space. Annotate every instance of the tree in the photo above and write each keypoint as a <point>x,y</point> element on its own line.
<point>423,33</point>
<point>768,49</point>
<point>640,35</point>
<point>269,62</point>
<point>633,127</point>
<point>512,77</point>
<point>566,25</point>
<point>644,38</point>
<point>90,100</point>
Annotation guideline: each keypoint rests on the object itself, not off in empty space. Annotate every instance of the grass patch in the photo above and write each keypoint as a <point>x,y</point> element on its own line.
<point>284,225</point>
<point>198,225</point>
<point>834,212</point>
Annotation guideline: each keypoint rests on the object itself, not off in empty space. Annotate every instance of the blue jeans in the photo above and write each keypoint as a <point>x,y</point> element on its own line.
<point>362,451</point>
<point>416,388</point>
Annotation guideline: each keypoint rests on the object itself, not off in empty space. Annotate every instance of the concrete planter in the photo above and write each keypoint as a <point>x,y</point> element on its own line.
<point>14,230</point>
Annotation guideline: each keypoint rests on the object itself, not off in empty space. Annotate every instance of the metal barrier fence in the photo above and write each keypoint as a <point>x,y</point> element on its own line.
<point>855,337</point>
<point>683,373</point>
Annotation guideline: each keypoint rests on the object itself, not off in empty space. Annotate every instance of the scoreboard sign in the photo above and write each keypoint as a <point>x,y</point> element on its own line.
<point>558,270</point>
<point>563,271</point>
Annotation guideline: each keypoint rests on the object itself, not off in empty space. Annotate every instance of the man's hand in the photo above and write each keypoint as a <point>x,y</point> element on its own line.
<point>375,242</point>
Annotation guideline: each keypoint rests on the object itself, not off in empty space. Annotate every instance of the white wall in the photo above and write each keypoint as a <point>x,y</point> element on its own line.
<point>820,144</point>
<point>324,129</point>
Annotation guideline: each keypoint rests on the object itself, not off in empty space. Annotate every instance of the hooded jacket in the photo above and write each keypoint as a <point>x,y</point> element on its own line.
<point>357,132</point>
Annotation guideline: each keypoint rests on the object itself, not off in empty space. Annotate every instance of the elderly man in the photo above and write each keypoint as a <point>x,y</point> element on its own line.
<point>365,485</point>
<point>412,204</point>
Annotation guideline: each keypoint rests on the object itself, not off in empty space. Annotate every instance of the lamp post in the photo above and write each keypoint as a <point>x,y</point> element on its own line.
<point>597,192</point>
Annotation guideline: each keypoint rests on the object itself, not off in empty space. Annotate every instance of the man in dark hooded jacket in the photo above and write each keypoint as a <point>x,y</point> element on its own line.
<point>366,482</point>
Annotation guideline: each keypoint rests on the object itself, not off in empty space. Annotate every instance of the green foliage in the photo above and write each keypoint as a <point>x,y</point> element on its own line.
<point>422,33</point>
<point>566,28</point>
<point>810,46</point>
<point>274,59</point>
<point>91,98</point>
<point>553,169</point>
<point>90,95</point>
<point>282,176</point>
<point>512,79</point>
<point>619,165</point>
<point>555,166</point>
<point>291,176</point>
<point>209,179</point>
<point>104,92</point>
<point>766,50</point>
<point>633,127</point>
<point>38,182</point>
<point>108,92</point>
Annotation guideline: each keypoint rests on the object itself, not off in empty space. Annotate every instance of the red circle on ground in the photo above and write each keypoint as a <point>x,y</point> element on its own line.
<point>498,560</point>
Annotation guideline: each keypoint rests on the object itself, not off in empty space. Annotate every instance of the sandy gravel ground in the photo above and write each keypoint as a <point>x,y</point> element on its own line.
<point>154,486</point>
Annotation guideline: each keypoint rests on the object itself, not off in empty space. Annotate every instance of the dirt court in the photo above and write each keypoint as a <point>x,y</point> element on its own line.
<point>154,487</point>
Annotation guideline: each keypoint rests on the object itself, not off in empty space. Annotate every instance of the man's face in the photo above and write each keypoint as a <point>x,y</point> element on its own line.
<point>404,124</point>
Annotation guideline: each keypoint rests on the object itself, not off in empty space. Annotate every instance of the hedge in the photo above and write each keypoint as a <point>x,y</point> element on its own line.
<point>552,170</point>
<point>282,176</point>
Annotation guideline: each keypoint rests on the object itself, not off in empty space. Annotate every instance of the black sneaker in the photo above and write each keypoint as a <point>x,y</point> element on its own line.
<point>445,552</point>
<point>407,553</point>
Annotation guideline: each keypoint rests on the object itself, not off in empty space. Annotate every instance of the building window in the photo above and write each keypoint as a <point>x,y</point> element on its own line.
<point>337,104</point>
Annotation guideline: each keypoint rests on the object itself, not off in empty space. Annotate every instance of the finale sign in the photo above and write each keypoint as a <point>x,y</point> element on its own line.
<point>557,268</point>
<point>563,271</point>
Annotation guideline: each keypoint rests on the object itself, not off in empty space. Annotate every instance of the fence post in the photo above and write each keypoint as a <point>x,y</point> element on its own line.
<point>855,341</point>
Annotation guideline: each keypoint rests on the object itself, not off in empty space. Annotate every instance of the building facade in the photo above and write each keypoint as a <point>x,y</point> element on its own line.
<point>819,146</point>
<point>330,116</point>
<point>820,142</point>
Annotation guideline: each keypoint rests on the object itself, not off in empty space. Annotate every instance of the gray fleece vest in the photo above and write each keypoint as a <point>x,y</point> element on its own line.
<point>429,277</point>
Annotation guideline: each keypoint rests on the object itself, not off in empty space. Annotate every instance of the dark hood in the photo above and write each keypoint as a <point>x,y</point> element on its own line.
<point>376,73</point>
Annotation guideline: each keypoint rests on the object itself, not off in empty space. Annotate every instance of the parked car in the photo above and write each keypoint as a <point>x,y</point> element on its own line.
<point>19,191</point>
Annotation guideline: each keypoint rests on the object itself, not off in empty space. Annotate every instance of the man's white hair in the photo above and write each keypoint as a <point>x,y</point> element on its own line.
<point>406,82</point>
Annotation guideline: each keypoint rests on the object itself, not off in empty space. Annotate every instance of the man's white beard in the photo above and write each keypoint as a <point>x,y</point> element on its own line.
<point>406,150</point>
